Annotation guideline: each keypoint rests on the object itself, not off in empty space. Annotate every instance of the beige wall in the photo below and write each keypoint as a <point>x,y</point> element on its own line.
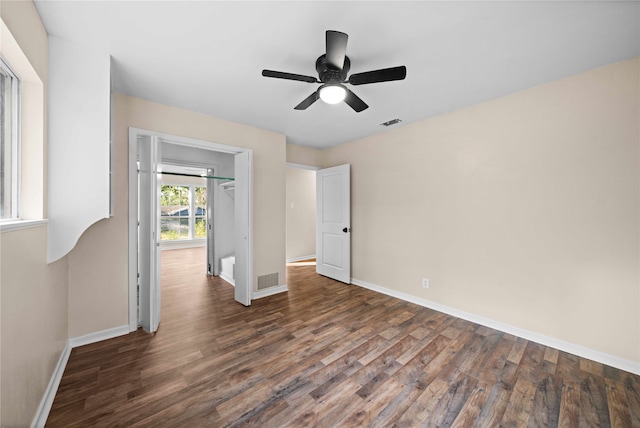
<point>34,294</point>
<point>304,155</point>
<point>524,209</point>
<point>98,266</point>
<point>301,213</point>
<point>34,321</point>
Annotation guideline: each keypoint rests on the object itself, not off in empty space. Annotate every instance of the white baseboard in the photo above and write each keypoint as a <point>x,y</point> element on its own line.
<point>42,413</point>
<point>581,351</point>
<point>44,408</point>
<point>269,291</point>
<point>297,259</point>
<point>99,336</point>
<point>227,278</point>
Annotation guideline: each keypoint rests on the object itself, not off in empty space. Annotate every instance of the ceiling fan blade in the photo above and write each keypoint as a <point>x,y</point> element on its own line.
<point>383,75</point>
<point>307,101</point>
<point>289,76</point>
<point>336,48</point>
<point>355,102</point>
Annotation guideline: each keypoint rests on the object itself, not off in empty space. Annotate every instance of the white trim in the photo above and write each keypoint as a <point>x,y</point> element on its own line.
<point>40,419</point>
<point>270,291</point>
<point>133,230</point>
<point>249,237</point>
<point>227,278</point>
<point>190,142</point>
<point>581,351</point>
<point>301,166</point>
<point>99,336</point>
<point>297,259</point>
<point>21,224</point>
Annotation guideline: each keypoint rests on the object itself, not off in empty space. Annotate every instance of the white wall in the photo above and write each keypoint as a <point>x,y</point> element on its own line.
<point>301,214</point>
<point>79,134</point>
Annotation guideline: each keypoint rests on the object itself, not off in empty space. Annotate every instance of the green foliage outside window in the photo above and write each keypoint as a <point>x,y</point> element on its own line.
<point>175,195</point>
<point>201,197</point>
<point>176,218</point>
<point>201,227</point>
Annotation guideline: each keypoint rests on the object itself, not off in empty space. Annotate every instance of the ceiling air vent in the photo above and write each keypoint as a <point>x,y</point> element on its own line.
<point>391,122</point>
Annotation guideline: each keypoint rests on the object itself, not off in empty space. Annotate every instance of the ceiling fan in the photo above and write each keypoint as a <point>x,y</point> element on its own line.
<point>332,68</point>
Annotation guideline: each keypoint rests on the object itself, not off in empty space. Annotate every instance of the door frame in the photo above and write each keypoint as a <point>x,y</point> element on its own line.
<point>134,133</point>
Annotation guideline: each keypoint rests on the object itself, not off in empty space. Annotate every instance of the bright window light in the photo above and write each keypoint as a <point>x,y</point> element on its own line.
<point>9,145</point>
<point>333,94</point>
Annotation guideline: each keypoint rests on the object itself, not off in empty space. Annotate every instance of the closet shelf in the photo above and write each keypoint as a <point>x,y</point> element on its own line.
<point>229,179</point>
<point>228,186</point>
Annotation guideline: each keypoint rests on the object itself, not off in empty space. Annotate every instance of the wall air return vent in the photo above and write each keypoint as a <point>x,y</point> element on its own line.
<point>267,281</point>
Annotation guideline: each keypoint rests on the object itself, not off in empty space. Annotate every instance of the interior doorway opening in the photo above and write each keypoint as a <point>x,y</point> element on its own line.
<point>226,215</point>
<point>328,218</point>
<point>301,213</point>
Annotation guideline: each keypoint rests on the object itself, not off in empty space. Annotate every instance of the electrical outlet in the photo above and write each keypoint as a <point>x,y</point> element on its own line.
<point>425,282</point>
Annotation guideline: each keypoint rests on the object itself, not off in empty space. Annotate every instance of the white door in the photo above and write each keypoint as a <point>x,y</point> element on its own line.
<point>149,233</point>
<point>212,268</point>
<point>243,272</point>
<point>333,223</point>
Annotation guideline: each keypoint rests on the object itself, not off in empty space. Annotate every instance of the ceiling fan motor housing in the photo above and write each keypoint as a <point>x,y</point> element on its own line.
<point>328,73</point>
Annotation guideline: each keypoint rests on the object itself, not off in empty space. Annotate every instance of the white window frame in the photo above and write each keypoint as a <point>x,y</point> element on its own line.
<point>15,142</point>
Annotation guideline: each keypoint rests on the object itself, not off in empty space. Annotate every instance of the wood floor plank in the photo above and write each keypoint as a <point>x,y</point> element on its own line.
<point>593,402</point>
<point>569,406</point>
<point>520,404</point>
<point>546,403</point>
<point>460,387</point>
<point>498,398</point>
<point>373,404</point>
<point>470,410</point>
<point>495,362</point>
<point>424,404</point>
<point>327,354</point>
<point>619,412</point>
<point>328,404</point>
<point>632,388</point>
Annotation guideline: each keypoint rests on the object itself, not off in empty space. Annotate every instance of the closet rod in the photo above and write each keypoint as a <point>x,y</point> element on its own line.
<point>199,176</point>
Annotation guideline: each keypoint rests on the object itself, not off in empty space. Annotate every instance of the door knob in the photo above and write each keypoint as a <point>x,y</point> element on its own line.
<point>345,230</point>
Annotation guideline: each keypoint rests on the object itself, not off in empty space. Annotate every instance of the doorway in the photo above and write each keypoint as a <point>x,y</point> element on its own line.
<point>301,212</point>
<point>330,217</point>
<point>148,150</point>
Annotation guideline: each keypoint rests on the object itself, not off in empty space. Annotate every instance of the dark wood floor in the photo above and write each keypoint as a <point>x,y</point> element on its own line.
<point>327,354</point>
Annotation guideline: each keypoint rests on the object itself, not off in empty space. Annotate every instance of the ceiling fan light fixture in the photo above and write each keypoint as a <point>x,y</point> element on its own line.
<point>333,93</point>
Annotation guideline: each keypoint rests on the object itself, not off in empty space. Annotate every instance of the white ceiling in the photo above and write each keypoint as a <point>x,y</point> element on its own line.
<point>207,56</point>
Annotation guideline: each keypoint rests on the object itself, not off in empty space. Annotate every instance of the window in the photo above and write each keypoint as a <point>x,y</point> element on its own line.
<point>183,212</point>
<point>9,148</point>
<point>200,194</point>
